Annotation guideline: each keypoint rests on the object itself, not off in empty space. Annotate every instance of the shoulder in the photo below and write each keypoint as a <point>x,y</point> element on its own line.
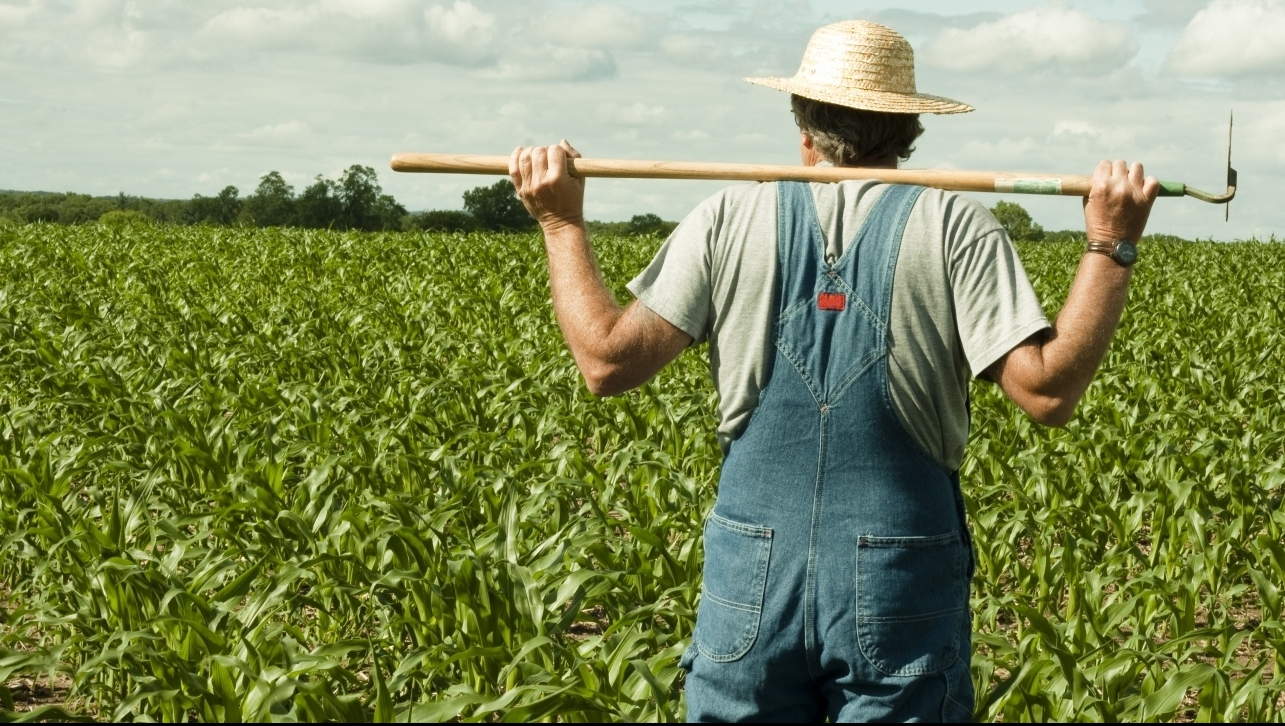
<point>738,197</point>
<point>732,210</point>
<point>961,219</point>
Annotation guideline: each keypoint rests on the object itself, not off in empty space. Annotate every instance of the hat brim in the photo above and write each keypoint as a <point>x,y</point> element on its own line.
<point>882,101</point>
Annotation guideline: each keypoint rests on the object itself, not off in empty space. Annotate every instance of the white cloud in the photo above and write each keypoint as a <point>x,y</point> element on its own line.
<point>12,16</point>
<point>1088,136</point>
<point>692,47</point>
<point>1076,128</point>
<point>1048,37</point>
<point>462,23</point>
<point>262,27</point>
<point>635,114</point>
<point>1171,12</point>
<point>1232,38</point>
<point>1264,132</point>
<point>1006,153</point>
<point>290,131</point>
<point>599,25</point>
<point>513,109</point>
<point>389,31</point>
<point>550,63</point>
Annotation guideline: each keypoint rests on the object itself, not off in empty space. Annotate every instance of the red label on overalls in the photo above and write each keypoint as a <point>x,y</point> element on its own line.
<point>832,301</point>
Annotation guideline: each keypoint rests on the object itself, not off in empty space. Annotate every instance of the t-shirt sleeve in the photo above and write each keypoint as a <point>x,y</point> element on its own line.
<point>676,285</point>
<point>996,307</point>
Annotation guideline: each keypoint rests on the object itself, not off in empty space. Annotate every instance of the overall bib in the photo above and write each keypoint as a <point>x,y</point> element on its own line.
<point>837,560</point>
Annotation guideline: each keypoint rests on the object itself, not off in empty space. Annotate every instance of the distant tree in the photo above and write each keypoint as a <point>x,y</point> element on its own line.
<point>444,220</point>
<point>644,224</point>
<point>81,208</point>
<point>365,204</point>
<point>497,207</point>
<point>391,214</point>
<point>356,201</point>
<point>219,210</point>
<point>1017,222</point>
<point>1065,235</point>
<point>31,207</point>
<point>319,206</point>
<point>164,211</point>
<point>118,218</point>
<point>359,194</point>
<point>272,204</point>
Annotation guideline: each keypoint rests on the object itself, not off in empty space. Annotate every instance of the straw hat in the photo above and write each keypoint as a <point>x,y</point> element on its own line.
<point>861,65</point>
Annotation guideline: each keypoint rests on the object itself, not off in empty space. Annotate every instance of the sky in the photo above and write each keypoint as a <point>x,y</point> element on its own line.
<point>170,98</point>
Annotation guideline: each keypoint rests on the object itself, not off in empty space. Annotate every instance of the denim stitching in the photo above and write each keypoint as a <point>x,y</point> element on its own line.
<point>735,526</point>
<point>929,541</point>
<point>912,618</point>
<point>857,371</point>
<point>730,604</point>
<point>809,596</point>
<point>813,388</point>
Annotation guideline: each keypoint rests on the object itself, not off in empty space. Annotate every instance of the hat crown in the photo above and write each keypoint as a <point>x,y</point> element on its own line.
<point>859,54</point>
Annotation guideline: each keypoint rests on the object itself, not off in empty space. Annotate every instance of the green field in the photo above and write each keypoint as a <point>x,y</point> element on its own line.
<point>262,474</point>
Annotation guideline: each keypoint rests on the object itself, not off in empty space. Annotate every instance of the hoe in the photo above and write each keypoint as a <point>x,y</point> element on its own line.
<point>961,181</point>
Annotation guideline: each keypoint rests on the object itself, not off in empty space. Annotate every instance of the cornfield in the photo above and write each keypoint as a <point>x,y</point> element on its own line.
<point>297,475</point>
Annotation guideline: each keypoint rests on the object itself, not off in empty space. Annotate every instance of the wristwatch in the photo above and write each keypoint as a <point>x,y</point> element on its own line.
<point>1123,251</point>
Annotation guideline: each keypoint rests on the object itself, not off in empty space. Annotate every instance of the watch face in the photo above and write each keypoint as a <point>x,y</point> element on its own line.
<point>1126,252</point>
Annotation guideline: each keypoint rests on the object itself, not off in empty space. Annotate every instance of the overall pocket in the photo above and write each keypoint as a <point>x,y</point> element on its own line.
<point>912,596</point>
<point>736,556</point>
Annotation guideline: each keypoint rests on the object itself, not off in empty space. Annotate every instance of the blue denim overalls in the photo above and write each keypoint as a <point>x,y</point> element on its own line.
<point>837,560</point>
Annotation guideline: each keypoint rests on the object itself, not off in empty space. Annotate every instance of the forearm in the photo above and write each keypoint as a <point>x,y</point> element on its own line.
<point>1072,352</point>
<point>585,309</point>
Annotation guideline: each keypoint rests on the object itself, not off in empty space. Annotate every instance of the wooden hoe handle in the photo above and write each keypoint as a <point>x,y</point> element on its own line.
<point>959,181</point>
<point>1071,185</point>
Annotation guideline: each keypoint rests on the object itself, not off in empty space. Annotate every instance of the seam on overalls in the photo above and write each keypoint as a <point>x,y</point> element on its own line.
<point>813,654</point>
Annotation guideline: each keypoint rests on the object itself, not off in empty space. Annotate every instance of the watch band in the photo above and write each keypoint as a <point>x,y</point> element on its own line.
<point>1105,248</point>
<point>1123,251</point>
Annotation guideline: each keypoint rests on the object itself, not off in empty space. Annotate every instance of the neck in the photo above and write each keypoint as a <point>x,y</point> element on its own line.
<point>881,162</point>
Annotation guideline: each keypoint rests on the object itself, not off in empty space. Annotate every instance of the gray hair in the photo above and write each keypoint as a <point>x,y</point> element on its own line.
<point>845,135</point>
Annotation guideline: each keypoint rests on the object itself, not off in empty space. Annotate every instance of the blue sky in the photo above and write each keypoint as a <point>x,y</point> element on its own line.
<point>169,98</point>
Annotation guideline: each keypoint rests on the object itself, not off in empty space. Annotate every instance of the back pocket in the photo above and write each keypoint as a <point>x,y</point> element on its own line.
<point>736,557</point>
<point>912,597</point>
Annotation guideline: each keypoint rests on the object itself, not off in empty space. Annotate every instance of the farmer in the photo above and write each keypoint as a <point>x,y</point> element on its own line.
<point>844,324</point>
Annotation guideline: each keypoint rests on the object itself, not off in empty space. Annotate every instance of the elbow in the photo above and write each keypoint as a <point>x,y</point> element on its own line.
<point>604,379</point>
<point>1051,411</point>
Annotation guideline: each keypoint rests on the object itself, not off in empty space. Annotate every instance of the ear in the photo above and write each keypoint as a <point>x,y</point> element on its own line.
<point>806,140</point>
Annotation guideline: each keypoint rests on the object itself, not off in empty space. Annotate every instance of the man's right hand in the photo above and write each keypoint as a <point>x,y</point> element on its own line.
<point>1119,202</point>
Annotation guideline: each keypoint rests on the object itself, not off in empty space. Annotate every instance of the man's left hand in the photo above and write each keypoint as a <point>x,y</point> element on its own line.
<point>547,190</point>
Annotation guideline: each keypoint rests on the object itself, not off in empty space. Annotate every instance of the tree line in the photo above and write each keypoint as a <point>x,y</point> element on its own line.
<point>354,201</point>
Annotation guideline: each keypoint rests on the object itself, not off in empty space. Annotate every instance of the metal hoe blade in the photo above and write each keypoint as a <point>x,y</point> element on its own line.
<point>1231,181</point>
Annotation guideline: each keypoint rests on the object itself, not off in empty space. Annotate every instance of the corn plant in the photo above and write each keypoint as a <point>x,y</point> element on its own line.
<point>286,474</point>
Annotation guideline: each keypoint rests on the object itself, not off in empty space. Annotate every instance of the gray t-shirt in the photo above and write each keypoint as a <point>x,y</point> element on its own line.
<point>960,300</point>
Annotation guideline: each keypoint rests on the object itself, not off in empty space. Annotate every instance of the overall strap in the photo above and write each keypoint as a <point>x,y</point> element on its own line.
<point>800,244</point>
<point>870,259</point>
